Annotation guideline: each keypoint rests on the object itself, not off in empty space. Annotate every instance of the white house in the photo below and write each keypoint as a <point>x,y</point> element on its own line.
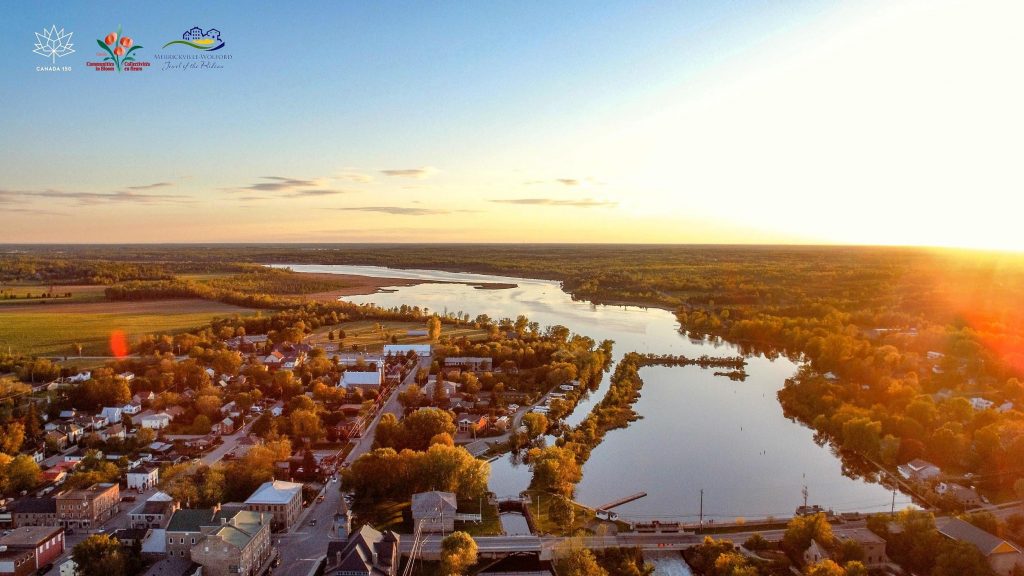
<point>131,408</point>
<point>112,414</point>
<point>156,421</point>
<point>979,403</point>
<point>143,478</point>
<point>918,469</point>
<point>80,377</point>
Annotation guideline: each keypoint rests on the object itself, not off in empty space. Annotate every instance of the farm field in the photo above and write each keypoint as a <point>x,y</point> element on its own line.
<point>54,329</point>
<point>28,295</point>
<point>370,336</point>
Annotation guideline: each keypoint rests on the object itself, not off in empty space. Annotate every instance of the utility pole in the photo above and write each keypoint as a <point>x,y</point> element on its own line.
<point>892,512</point>
<point>804,491</point>
<point>700,523</point>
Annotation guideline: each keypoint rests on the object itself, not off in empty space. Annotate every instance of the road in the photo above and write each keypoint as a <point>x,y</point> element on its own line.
<point>305,544</point>
<point>228,444</point>
<point>392,406</point>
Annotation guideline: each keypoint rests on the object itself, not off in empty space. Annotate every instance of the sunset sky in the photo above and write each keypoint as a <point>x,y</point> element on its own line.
<point>869,122</point>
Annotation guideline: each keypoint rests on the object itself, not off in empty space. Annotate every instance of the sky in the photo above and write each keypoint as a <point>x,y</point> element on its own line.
<point>872,122</point>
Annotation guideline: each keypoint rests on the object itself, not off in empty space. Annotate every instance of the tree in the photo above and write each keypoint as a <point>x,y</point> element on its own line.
<point>961,559</point>
<point>12,438</point>
<point>802,529</point>
<point>434,328</point>
<point>422,425</point>
<point>561,512</point>
<point>536,424</point>
<point>411,397</point>
<point>22,473</point>
<point>555,469</point>
<point>305,424</point>
<point>99,555</point>
<point>825,568</point>
<point>580,562</point>
<point>458,553</point>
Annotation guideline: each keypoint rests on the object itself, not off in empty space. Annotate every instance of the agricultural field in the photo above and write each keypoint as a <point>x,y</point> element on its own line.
<point>371,336</point>
<point>32,294</point>
<point>54,329</point>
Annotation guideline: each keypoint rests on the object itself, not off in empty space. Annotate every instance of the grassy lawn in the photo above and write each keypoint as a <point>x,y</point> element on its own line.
<point>384,515</point>
<point>544,523</point>
<point>54,329</point>
<point>370,336</point>
<point>490,524</point>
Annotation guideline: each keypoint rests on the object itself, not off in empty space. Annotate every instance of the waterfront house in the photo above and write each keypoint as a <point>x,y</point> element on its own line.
<point>1002,556</point>
<point>918,470</point>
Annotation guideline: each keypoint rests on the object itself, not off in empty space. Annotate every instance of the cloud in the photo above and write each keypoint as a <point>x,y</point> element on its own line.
<point>289,187</point>
<point>150,186</point>
<point>401,210</point>
<point>416,173</point>
<point>33,211</point>
<point>354,176</point>
<point>568,181</point>
<point>584,203</point>
<point>90,198</point>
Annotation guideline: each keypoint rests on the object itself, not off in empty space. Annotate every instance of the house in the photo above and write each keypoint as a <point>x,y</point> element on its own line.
<point>240,544</point>
<point>281,499</point>
<point>56,439</point>
<point>17,562</point>
<point>372,379</point>
<point>142,397</point>
<point>919,470</point>
<point>156,421</point>
<point>366,553</point>
<point>472,423</point>
<point>33,512</point>
<point>73,431</point>
<point>225,426</point>
<point>127,376</point>
<point>448,389</point>
<point>112,432</point>
<point>143,478</point>
<point>275,358</point>
<point>112,414</point>
<point>870,543</point>
<point>88,507</point>
<point>434,511</point>
<point>1002,556</point>
<point>277,409</point>
<point>80,377</point>
<point>155,512</point>
<point>1005,407</point>
<point>394,350</point>
<point>934,356</point>
<point>815,553</point>
<point>966,497</point>
<point>45,542</point>
<point>979,403</point>
<point>469,363</point>
<point>246,343</point>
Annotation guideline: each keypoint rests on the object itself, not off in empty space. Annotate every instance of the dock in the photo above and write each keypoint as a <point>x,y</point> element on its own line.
<point>620,501</point>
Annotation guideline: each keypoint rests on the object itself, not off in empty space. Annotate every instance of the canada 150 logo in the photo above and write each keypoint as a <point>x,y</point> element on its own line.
<point>118,54</point>
<point>53,44</point>
<point>204,53</point>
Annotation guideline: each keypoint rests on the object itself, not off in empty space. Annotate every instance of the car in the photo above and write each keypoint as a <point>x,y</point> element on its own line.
<point>312,522</point>
<point>45,569</point>
<point>128,498</point>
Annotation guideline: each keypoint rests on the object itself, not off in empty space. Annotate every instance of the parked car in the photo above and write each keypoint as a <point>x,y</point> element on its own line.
<point>45,569</point>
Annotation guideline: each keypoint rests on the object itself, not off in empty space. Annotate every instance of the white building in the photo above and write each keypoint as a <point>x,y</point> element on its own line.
<point>361,379</point>
<point>112,414</point>
<point>143,478</point>
<point>918,469</point>
<point>156,421</point>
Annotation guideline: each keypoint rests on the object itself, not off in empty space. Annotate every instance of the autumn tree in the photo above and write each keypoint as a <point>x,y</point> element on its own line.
<point>99,555</point>
<point>458,553</point>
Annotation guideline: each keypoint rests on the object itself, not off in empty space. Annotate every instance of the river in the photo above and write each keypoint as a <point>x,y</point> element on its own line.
<point>698,431</point>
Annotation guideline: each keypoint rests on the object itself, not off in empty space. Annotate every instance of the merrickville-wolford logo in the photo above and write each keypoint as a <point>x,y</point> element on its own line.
<point>197,49</point>
<point>53,43</point>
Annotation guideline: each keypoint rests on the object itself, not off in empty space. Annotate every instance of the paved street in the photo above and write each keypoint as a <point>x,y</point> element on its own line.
<point>392,406</point>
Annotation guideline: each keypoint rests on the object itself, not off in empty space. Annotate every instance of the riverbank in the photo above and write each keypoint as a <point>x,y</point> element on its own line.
<point>366,285</point>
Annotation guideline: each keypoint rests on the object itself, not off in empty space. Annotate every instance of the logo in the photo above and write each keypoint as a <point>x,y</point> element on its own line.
<point>53,44</point>
<point>194,37</point>
<point>120,54</point>
<point>203,55</point>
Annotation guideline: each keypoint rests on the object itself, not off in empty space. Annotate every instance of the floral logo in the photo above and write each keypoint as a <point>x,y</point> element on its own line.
<point>119,48</point>
<point>53,44</point>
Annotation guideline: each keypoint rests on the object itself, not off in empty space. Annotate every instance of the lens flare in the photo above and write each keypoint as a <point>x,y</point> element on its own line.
<point>119,343</point>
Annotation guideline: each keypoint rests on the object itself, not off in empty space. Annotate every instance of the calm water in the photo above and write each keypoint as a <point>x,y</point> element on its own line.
<point>698,431</point>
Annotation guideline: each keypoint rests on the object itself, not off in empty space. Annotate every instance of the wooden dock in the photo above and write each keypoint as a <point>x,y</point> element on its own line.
<point>620,501</point>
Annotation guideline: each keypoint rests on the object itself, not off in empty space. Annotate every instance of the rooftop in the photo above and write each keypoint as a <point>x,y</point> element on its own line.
<point>275,492</point>
<point>29,536</point>
<point>988,544</point>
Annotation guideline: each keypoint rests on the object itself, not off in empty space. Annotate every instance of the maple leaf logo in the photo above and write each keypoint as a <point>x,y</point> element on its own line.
<point>53,44</point>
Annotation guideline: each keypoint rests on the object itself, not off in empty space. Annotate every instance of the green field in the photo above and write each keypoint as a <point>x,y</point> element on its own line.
<point>15,295</point>
<point>369,337</point>
<point>54,329</point>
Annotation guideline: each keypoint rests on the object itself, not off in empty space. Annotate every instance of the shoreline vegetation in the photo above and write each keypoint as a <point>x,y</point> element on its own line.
<point>559,468</point>
<point>906,352</point>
